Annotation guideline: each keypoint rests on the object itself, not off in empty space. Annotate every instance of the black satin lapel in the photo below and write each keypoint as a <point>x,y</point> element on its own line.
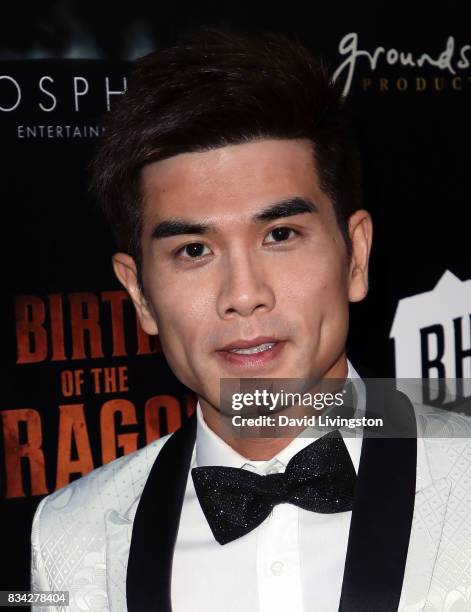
<point>156,524</point>
<point>382,511</point>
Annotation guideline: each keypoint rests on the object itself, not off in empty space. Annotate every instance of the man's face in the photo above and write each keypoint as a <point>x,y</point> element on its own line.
<point>242,250</point>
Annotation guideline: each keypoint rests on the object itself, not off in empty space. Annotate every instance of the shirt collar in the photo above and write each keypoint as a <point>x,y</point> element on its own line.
<point>212,450</point>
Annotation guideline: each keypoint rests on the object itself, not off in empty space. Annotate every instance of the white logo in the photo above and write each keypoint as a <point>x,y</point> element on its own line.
<point>432,331</point>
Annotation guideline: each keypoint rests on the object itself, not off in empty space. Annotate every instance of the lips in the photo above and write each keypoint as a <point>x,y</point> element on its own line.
<point>253,349</point>
<point>253,343</point>
<point>256,354</point>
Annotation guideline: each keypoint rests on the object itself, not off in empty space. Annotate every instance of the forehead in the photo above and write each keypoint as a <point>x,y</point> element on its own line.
<point>231,180</point>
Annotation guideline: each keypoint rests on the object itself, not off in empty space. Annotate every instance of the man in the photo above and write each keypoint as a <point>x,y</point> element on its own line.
<point>232,182</point>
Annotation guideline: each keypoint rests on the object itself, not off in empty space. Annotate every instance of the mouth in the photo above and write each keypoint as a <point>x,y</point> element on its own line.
<point>252,353</point>
<point>253,349</point>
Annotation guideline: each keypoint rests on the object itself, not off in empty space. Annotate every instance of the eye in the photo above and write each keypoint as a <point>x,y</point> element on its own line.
<point>281,234</point>
<point>193,250</point>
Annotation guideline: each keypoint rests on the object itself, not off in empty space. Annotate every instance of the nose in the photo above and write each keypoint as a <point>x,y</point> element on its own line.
<point>245,287</point>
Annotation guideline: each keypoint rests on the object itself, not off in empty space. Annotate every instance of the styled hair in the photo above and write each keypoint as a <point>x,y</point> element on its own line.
<point>220,89</point>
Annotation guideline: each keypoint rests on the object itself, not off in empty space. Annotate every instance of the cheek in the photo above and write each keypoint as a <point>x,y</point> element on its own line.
<point>177,329</point>
<point>317,284</point>
<point>180,310</point>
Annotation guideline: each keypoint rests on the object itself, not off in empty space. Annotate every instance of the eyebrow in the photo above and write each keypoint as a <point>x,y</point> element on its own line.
<point>278,210</point>
<point>285,208</point>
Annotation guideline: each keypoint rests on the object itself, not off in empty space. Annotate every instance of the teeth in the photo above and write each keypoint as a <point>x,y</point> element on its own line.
<point>254,349</point>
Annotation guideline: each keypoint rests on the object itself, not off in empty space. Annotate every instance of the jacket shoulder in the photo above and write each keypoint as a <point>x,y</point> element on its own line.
<point>114,485</point>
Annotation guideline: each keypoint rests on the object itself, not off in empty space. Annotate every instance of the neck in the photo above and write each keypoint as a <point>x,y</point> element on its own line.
<point>260,449</point>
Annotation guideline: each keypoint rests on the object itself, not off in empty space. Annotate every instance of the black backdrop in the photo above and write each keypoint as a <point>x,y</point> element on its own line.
<point>64,315</point>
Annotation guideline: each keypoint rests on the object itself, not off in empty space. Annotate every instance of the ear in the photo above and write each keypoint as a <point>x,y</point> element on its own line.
<point>125,269</point>
<point>360,228</point>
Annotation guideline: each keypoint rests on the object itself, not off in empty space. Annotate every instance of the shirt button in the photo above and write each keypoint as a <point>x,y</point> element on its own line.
<point>276,568</point>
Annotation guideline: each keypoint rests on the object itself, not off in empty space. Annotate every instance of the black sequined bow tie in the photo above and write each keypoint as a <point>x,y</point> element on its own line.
<point>320,478</point>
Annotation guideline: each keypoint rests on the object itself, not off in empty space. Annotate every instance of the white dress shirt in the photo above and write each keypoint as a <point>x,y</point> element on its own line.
<point>292,562</point>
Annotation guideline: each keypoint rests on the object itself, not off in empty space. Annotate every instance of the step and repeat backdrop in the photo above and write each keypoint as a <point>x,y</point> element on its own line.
<point>81,384</point>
